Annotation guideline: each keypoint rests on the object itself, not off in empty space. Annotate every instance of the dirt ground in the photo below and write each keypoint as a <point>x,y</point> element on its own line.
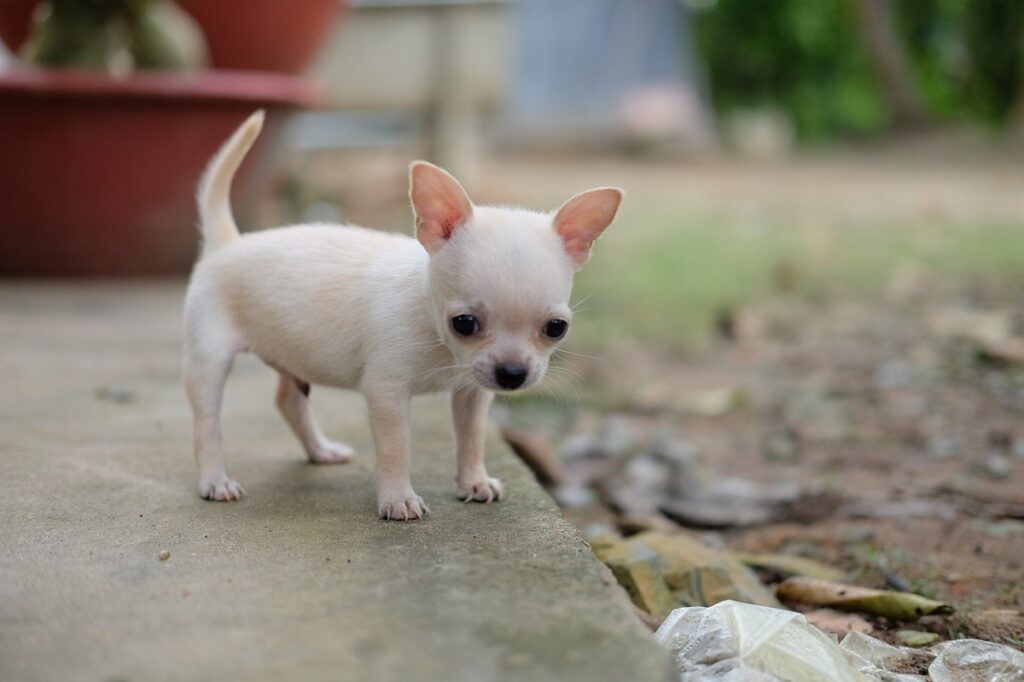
<point>881,439</point>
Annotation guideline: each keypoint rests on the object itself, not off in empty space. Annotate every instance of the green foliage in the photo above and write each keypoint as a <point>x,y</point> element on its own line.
<point>967,55</point>
<point>807,57</point>
<point>94,34</point>
<point>803,56</point>
<point>993,30</point>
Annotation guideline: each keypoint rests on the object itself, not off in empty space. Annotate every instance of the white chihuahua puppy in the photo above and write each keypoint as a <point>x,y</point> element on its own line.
<point>475,305</point>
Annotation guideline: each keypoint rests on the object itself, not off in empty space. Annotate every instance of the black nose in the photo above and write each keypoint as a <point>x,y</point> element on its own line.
<point>510,376</point>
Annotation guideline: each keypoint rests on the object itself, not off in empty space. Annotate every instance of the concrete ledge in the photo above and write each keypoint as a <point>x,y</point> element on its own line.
<point>299,580</point>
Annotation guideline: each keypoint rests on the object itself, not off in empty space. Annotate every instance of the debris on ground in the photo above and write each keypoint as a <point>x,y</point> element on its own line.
<point>164,555</point>
<point>877,660</point>
<point>113,394</point>
<point>662,571</point>
<point>837,622</point>
<point>736,641</point>
<point>729,503</point>
<point>787,565</point>
<point>877,446</point>
<point>915,639</point>
<point>971,659</point>
<point>636,568</point>
<point>903,606</point>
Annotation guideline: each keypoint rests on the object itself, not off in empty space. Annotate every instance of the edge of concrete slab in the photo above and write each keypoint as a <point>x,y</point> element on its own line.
<point>300,579</point>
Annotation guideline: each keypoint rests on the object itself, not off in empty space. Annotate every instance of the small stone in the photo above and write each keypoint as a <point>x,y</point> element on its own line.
<point>574,496</point>
<point>682,457</point>
<point>1002,528</point>
<point>678,452</point>
<point>893,374</point>
<point>942,447</point>
<point>782,447</point>
<point>600,531</point>
<point>616,436</point>
<point>916,638</point>
<point>578,446</point>
<point>645,471</point>
<point>998,466</point>
<point>165,555</point>
<point>858,535</point>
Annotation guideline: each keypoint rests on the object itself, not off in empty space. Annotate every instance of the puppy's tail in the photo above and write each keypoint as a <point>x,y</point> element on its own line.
<point>216,222</point>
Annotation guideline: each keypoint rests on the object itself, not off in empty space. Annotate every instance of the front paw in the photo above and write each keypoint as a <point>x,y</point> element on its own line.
<point>219,488</point>
<point>479,488</point>
<point>401,505</point>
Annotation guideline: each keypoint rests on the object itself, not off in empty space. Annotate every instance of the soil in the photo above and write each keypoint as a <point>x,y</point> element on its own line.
<point>905,442</point>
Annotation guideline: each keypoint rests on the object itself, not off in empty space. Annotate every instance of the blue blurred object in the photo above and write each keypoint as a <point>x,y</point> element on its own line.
<point>579,63</point>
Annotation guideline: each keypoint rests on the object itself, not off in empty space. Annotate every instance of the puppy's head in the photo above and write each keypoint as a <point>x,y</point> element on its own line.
<point>500,278</point>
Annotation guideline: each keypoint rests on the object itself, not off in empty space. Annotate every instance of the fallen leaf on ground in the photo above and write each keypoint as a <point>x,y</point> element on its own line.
<point>634,568</point>
<point>537,454</point>
<point>699,575</point>
<point>895,605</point>
<point>788,565</point>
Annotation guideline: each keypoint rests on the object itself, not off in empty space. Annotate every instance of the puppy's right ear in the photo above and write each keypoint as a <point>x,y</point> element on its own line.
<point>439,202</point>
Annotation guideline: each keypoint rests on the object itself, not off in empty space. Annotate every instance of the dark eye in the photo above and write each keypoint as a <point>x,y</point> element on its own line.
<point>555,329</point>
<point>465,325</point>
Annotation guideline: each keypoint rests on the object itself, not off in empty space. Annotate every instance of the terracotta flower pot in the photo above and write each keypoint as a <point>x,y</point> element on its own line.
<point>97,174</point>
<point>15,20</point>
<point>270,35</point>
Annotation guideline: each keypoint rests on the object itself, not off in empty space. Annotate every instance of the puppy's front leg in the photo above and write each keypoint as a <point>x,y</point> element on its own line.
<point>469,413</point>
<point>389,421</point>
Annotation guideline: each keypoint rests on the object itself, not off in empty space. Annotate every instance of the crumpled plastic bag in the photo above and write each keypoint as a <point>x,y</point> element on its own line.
<point>881,662</point>
<point>736,642</point>
<point>975,659</point>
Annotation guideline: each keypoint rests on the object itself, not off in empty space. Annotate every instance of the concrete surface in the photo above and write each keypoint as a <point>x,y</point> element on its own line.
<point>300,580</point>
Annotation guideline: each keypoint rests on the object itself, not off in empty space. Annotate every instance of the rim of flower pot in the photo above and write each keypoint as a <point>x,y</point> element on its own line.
<point>217,85</point>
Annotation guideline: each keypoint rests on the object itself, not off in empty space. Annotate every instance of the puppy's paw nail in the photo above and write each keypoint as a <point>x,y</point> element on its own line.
<point>220,489</point>
<point>402,507</point>
<point>331,453</point>
<point>484,489</point>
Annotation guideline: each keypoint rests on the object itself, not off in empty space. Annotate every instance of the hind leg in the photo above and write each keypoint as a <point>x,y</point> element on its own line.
<point>206,370</point>
<point>293,401</point>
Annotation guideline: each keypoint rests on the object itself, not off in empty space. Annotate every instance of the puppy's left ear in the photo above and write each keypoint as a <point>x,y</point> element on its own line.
<point>582,219</point>
<point>439,202</point>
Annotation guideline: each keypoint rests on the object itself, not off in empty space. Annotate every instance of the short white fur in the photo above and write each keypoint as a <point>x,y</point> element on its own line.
<point>366,310</point>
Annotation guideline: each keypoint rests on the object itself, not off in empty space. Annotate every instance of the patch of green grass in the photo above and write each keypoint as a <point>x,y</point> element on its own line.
<point>665,272</point>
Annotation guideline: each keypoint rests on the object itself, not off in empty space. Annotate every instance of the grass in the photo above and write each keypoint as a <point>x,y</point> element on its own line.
<point>666,271</point>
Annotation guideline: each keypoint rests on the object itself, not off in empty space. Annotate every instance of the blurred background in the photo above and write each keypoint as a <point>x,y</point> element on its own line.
<point>804,333</point>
